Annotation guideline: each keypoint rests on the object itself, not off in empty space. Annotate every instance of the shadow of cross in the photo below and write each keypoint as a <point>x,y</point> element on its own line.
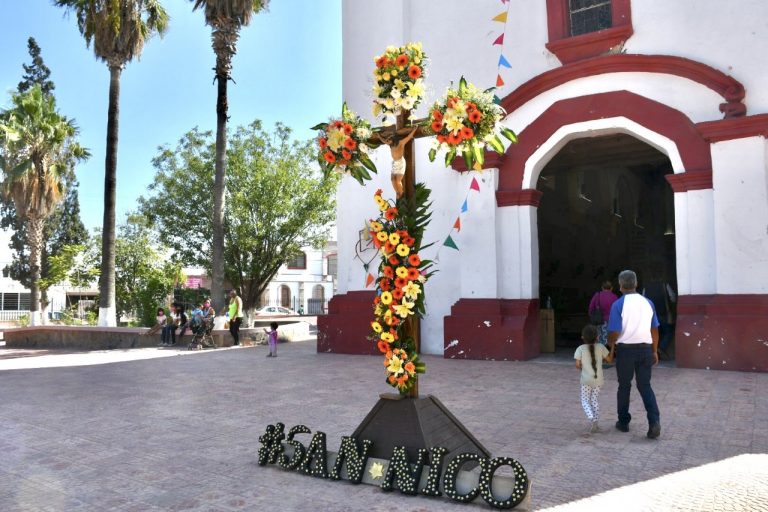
<point>386,135</point>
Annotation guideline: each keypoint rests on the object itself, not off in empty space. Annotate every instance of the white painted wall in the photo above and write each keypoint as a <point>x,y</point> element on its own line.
<point>740,182</point>
<point>498,253</point>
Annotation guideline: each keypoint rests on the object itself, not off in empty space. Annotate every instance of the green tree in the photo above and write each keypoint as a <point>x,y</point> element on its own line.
<point>39,148</point>
<point>277,202</point>
<point>118,30</point>
<point>144,278</point>
<point>226,18</point>
<point>36,72</point>
<point>64,225</point>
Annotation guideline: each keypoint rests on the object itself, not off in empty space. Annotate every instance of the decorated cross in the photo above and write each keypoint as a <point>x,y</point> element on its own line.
<point>463,123</point>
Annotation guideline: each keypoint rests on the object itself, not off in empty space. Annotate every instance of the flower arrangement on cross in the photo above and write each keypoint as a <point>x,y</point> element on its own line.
<point>464,122</point>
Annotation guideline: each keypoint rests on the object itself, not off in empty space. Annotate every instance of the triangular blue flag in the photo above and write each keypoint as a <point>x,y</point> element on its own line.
<point>464,207</point>
<point>504,62</point>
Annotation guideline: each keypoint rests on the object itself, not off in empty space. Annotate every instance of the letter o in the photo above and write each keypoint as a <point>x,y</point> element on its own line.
<point>519,490</point>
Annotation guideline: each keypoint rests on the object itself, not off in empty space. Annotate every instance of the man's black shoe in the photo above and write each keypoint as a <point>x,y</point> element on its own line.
<point>622,427</point>
<point>654,431</point>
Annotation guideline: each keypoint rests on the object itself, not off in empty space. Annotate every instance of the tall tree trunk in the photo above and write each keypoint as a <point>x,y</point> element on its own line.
<point>107,313</point>
<point>217,260</point>
<point>35,239</point>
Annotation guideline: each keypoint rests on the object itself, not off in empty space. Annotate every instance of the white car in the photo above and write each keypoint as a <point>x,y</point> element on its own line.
<point>275,311</point>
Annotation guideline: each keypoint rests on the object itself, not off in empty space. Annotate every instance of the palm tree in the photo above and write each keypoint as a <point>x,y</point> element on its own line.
<point>225,17</point>
<point>118,30</point>
<point>37,151</point>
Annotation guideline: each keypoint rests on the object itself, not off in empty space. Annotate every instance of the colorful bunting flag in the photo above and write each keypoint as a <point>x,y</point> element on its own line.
<point>501,17</point>
<point>368,280</point>
<point>475,185</point>
<point>499,40</point>
<point>457,224</point>
<point>504,62</point>
<point>464,207</point>
<point>499,81</point>
<point>450,243</point>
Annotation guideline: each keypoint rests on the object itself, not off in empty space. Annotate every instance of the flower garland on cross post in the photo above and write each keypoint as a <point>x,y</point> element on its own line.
<point>397,234</point>
<point>464,122</point>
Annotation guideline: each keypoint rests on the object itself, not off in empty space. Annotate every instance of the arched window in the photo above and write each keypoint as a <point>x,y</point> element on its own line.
<point>264,299</point>
<point>285,296</point>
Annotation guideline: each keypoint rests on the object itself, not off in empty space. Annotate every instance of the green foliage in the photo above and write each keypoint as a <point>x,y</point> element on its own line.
<point>36,72</point>
<point>143,278</point>
<point>275,203</point>
<point>23,321</point>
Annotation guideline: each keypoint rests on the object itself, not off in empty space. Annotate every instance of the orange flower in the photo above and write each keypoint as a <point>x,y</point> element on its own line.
<point>329,157</point>
<point>376,243</point>
<point>414,260</point>
<point>391,378</point>
<point>475,116</point>
<point>387,270</point>
<point>471,106</point>
<point>383,347</point>
<point>437,115</point>
<point>381,62</point>
<point>338,124</point>
<point>454,139</point>
<point>437,126</point>
<point>409,241</point>
<point>402,60</point>
<point>414,72</point>
<point>410,367</point>
<point>390,214</point>
<point>378,192</point>
<point>413,273</point>
<point>347,129</point>
<point>451,101</point>
<point>376,300</point>
<point>385,284</point>
<point>402,233</point>
<point>350,143</point>
<point>346,155</point>
<point>400,282</point>
<point>394,334</point>
<point>395,321</point>
<point>389,248</point>
<point>397,293</point>
<point>323,142</point>
<point>394,260</point>
<point>467,133</point>
<point>441,138</point>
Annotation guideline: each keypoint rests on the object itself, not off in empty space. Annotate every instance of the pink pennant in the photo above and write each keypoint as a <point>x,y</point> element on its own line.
<point>475,185</point>
<point>499,40</point>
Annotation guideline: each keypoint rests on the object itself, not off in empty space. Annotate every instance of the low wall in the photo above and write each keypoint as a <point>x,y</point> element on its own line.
<point>109,338</point>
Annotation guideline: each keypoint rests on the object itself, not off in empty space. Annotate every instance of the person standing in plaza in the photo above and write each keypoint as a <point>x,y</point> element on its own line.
<point>633,329</point>
<point>235,315</point>
<point>600,307</point>
<point>272,339</point>
<point>589,358</point>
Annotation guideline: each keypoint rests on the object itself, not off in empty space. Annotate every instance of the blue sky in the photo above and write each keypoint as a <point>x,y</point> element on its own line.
<point>287,68</point>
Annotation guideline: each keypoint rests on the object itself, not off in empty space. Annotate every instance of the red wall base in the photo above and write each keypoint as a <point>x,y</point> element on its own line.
<point>722,332</point>
<point>344,330</point>
<point>496,329</point>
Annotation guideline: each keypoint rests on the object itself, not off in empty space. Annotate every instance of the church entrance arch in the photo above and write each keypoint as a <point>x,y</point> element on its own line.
<point>605,206</point>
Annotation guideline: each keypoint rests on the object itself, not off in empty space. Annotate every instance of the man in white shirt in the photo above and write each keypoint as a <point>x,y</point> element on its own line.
<point>633,329</point>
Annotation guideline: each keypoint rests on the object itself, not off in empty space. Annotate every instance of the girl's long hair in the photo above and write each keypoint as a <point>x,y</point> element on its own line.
<point>589,335</point>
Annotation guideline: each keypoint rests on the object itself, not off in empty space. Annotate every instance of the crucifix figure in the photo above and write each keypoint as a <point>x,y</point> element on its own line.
<point>397,146</point>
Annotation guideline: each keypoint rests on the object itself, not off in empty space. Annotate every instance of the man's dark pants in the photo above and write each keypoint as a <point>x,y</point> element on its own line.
<point>635,361</point>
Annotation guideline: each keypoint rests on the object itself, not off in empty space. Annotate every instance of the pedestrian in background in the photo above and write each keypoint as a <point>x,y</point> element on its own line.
<point>272,339</point>
<point>235,316</point>
<point>589,359</point>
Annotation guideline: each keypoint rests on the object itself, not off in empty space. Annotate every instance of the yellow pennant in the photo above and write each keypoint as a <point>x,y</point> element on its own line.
<point>501,17</point>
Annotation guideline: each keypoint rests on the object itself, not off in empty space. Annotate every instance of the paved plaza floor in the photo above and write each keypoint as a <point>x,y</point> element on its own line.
<point>148,433</point>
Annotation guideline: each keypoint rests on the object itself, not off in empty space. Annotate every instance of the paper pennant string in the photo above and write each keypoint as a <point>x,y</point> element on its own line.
<point>501,17</point>
<point>499,40</point>
<point>475,185</point>
<point>504,62</point>
<point>450,243</point>
<point>457,224</point>
<point>504,1</point>
<point>368,280</point>
<point>499,81</point>
<point>464,207</point>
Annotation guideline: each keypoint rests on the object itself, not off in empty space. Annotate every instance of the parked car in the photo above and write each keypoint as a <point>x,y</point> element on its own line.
<point>275,311</point>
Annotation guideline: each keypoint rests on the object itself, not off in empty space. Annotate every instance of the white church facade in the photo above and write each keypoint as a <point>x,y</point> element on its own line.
<point>642,144</point>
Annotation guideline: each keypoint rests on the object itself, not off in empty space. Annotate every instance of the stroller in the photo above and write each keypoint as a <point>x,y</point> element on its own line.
<point>201,330</point>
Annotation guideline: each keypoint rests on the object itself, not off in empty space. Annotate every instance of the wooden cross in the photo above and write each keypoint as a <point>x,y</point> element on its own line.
<point>412,325</point>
